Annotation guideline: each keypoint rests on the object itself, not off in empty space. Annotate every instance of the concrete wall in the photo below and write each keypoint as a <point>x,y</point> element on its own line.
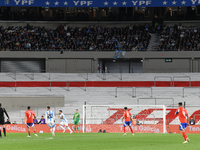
<point>160,66</point>
<point>16,102</point>
<point>69,65</point>
<point>68,62</point>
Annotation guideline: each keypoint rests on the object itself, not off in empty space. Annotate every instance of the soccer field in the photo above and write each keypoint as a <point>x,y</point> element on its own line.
<point>99,141</point>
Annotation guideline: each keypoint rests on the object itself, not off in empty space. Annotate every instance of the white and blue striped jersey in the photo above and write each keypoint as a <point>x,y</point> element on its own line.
<point>49,115</point>
<point>63,117</point>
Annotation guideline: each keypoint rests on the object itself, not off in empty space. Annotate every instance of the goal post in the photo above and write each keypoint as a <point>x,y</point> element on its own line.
<point>148,118</point>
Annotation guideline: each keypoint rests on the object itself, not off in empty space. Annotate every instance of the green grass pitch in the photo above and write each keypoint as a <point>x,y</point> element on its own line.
<point>98,141</point>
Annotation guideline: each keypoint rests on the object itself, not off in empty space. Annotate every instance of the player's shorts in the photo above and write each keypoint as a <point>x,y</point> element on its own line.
<point>76,123</point>
<point>30,125</point>
<point>64,122</point>
<point>2,122</point>
<point>127,123</point>
<point>51,123</point>
<point>182,126</point>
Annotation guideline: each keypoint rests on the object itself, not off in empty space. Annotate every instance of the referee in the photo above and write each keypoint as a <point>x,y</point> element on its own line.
<point>2,122</point>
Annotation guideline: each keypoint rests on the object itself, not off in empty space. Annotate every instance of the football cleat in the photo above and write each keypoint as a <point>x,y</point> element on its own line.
<point>188,140</point>
<point>133,134</point>
<point>53,134</point>
<point>36,135</point>
<point>0,137</point>
<point>71,132</point>
<point>185,142</point>
<point>124,134</point>
<point>28,136</point>
<point>5,137</point>
<point>64,131</point>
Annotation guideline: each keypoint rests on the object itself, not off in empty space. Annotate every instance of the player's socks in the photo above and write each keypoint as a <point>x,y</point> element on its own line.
<point>62,127</point>
<point>4,131</point>
<point>0,132</point>
<point>77,129</point>
<point>124,130</point>
<point>29,133</point>
<point>34,132</point>
<point>74,129</point>
<point>184,135</point>
<point>53,130</point>
<point>69,129</point>
<point>131,130</point>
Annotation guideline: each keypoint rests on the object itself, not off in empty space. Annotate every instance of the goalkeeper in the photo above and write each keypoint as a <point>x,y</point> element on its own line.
<point>76,119</point>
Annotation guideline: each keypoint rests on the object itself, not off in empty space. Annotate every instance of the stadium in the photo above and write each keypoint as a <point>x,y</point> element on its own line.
<point>102,75</point>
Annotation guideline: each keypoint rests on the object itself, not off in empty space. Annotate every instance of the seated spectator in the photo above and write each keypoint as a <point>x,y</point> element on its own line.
<point>93,38</point>
<point>35,120</point>
<point>192,121</point>
<point>14,122</point>
<point>8,122</point>
<point>42,120</point>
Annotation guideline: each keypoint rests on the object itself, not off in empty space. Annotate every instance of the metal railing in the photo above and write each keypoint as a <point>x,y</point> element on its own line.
<point>102,75</point>
<point>142,88</point>
<point>124,87</point>
<point>182,77</point>
<point>155,100</point>
<point>189,88</point>
<point>68,85</point>
<point>30,75</point>
<point>168,77</point>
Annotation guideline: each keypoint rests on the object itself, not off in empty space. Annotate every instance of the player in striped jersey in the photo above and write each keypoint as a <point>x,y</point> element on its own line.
<point>64,122</point>
<point>50,120</point>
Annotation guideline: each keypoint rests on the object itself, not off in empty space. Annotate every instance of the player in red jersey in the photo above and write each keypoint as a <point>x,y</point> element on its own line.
<point>28,119</point>
<point>183,114</point>
<point>127,117</point>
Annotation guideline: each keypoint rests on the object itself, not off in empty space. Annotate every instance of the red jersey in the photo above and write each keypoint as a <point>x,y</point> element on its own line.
<point>182,113</point>
<point>29,115</point>
<point>127,115</point>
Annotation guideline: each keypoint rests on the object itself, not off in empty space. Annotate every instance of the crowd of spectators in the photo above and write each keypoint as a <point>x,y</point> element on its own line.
<point>66,38</point>
<point>180,38</point>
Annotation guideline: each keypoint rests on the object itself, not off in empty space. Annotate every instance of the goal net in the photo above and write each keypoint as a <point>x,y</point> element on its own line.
<point>148,118</point>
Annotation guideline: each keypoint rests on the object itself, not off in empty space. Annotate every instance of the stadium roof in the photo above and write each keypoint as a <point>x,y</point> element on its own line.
<point>100,3</point>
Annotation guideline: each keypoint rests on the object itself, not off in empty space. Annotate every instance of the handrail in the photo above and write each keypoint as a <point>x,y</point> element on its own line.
<point>32,74</point>
<point>189,88</point>
<point>68,85</point>
<point>143,87</point>
<point>162,77</point>
<point>155,100</point>
<point>182,77</point>
<point>124,87</point>
<point>104,75</point>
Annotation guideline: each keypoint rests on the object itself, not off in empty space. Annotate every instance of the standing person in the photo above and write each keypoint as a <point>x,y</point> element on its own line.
<point>2,121</point>
<point>183,114</point>
<point>50,120</point>
<point>64,122</point>
<point>127,117</point>
<point>28,119</point>
<point>76,119</point>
